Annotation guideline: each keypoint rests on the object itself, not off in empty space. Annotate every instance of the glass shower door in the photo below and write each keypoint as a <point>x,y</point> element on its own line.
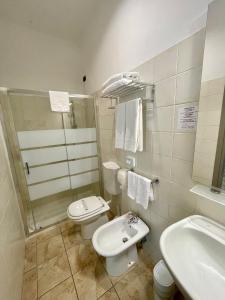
<point>41,140</point>
<point>56,155</point>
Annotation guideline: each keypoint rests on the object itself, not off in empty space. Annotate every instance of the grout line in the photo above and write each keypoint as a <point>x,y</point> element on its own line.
<point>70,267</point>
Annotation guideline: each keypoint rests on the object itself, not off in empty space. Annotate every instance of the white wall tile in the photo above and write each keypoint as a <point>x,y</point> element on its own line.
<point>188,86</point>
<point>181,172</point>
<point>162,143</point>
<point>165,64</point>
<point>190,52</point>
<point>184,146</point>
<point>165,92</point>
<point>160,119</point>
<point>211,103</point>
<point>161,166</point>
<point>146,71</point>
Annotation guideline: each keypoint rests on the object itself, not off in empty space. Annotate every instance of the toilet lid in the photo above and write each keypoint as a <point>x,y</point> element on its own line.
<point>85,206</point>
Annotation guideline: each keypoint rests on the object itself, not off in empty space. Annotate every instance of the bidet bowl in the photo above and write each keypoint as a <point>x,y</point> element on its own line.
<point>116,236</point>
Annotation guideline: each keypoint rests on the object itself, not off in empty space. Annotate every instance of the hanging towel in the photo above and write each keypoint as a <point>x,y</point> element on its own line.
<point>134,126</point>
<point>144,192</point>
<point>128,75</point>
<point>59,101</point>
<point>120,125</point>
<point>132,184</point>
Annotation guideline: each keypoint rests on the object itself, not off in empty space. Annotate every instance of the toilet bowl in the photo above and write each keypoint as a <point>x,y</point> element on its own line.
<point>116,240</point>
<point>89,213</point>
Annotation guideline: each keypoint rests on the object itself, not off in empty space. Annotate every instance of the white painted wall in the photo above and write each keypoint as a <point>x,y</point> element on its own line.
<point>33,60</point>
<point>126,33</point>
<point>214,56</point>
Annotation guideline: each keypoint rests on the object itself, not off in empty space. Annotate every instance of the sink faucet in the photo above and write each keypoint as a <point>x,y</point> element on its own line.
<point>132,218</point>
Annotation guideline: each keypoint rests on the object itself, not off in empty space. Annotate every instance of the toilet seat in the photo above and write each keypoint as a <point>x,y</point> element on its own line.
<point>87,207</point>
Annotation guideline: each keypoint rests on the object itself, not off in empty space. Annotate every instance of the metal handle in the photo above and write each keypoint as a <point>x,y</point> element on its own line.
<point>27,167</point>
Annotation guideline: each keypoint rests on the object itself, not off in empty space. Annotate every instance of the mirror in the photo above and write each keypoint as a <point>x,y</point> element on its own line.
<point>209,159</point>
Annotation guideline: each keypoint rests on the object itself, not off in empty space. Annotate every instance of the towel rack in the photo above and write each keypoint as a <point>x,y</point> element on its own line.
<point>153,181</point>
<point>131,88</point>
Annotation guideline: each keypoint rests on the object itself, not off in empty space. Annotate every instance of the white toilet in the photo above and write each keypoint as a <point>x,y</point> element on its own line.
<point>116,240</point>
<point>90,212</point>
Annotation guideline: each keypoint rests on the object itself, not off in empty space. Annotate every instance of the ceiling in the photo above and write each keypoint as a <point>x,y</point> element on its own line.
<point>66,19</point>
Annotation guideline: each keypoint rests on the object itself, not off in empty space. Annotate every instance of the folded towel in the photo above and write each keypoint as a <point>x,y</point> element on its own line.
<point>116,77</point>
<point>132,184</point>
<point>144,191</point>
<point>120,125</point>
<point>115,85</point>
<point>59,101</point>
<point>134,126</point>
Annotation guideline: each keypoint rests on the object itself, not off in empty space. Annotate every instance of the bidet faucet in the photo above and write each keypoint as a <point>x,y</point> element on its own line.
<point>132,218</point>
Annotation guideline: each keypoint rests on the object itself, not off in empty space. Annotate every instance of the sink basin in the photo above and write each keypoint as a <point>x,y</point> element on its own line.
<point>194,251</point>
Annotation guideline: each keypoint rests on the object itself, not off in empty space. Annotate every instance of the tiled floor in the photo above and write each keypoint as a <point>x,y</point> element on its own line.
<point>60,265</point>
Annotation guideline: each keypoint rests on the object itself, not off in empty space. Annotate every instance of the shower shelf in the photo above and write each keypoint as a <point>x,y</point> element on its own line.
<point>131,88</point>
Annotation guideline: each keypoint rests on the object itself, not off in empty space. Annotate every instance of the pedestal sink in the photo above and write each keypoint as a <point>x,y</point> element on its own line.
<point>194,251</point>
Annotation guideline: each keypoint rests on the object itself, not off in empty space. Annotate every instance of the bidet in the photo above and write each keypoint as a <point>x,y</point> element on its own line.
<point>116,240</point>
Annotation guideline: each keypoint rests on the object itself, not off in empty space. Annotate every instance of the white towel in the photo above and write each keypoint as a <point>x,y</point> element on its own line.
<point>59,101</point>
<point>132,184</point>
<point>116,77</point>
<point>120,125</point>
<point>134,126</point>
<point>115,85</point>
<point>144,191</point>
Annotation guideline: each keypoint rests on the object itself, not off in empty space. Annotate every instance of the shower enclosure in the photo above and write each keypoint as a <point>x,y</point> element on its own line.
<point>54,156</point>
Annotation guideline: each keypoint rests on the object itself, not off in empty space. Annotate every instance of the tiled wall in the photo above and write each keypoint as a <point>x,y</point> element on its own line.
<point>11,232</point>
<point>210,107</point>
<point>168,152</point>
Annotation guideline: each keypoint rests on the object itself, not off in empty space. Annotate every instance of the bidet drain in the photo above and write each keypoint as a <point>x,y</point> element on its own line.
<point>125,239</point>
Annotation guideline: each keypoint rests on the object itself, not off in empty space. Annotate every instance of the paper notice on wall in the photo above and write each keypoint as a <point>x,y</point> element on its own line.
<point>187,117</point>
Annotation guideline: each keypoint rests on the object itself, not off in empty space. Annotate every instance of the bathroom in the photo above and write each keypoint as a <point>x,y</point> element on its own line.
<point>69,225</point>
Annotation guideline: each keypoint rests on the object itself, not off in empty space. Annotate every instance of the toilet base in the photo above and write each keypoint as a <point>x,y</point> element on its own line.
<point>119,264</point>
<point>88,228</point>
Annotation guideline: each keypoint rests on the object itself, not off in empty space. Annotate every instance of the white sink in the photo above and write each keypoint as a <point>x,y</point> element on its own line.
<point>194,251</point>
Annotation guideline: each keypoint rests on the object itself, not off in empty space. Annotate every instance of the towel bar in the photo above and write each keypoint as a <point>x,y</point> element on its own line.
<point>154,180</point>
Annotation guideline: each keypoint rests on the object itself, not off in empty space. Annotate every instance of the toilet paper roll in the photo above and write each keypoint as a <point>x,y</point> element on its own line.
<point>122,177</point>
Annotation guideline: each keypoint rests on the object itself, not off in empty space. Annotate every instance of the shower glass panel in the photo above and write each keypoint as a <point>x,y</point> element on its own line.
<point>57,155</point>
<point>80,134</point>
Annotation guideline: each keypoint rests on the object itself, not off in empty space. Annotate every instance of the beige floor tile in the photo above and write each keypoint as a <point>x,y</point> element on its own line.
<point>110,295</point>
<point>71,237</point>
<point>68,224</point>
<point>30,256</point>
<point>136,285</point>
<point>115,279</point>
<point>52,273</point>
<point>49,249</point>
<point>63,291</point>
<point>81,255</point>
<point>31,241</point>
<point>47,233</point>
<point>92,282</point>
<point>29,291</point>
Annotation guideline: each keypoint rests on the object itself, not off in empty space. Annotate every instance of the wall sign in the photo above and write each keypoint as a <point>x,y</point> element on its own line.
<point>187,117</point>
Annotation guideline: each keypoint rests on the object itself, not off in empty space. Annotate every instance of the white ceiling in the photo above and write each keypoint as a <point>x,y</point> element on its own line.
<point>66,19</point>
